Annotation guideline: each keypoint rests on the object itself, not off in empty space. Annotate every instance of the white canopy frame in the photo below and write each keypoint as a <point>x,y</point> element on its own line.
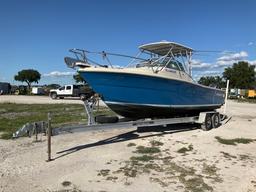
<point>158,52</point>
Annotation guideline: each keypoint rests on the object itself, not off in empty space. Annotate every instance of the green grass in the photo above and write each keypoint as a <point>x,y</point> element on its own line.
<point>104,172</point>
<point>147,150</point>
<point>187,176</point>
<point>251,100</point>
<point>14,116</point>
<point>111,178</point>
<point>234,141</point>
<point>185,149</point>
<point>131,144</point>
<point>156,143</point>
<point>244,157</point>
<point>142,158</point>
<point>195,184</point>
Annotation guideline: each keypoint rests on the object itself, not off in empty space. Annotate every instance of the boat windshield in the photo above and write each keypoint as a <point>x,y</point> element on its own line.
<point>173,64</point>
<point>167,62</point>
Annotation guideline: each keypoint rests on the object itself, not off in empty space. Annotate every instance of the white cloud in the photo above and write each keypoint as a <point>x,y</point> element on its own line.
<point>206,73</point>
<point>229,59</point>
<point>209,73</point>
<point>252,62</point>
<point>250,43</point>
<point>234,56</point>
<point>216,68</point>
<point>197,64</point>
<point>58,74</point>
<point>225,63</point>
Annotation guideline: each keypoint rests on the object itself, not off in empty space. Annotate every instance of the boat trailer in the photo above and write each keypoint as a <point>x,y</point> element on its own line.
<point>205,120</point>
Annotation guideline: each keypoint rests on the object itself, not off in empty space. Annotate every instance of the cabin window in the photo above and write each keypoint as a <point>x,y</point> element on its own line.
<point>68,88</point>
<point>175,65</point>
<point>62,88</point>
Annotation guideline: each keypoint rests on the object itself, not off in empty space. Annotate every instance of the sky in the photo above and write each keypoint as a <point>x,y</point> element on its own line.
<point>37,34</point>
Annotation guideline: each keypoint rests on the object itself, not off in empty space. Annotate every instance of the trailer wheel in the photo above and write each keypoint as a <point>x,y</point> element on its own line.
<point>215,120</point>
<point>207,124</point>
<point>54,95</point>
<point>106,119</point>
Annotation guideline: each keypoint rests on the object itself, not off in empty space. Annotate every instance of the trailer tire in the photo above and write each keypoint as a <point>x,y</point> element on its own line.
<point>53,95</point>
<point>106,119</point>
<point>216,120</point>
<point>207,124</point>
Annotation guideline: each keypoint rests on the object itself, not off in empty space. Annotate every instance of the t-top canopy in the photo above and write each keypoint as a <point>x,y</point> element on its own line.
<point>163,47</point>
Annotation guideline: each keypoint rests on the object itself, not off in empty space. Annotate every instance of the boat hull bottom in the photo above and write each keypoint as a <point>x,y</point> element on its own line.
<point>139,111</point>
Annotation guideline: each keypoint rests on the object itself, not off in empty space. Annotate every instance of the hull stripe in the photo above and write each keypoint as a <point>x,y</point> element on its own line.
<point>156,105</point>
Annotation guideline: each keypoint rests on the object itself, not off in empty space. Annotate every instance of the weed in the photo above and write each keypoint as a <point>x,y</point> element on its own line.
<point>131,144</point>
<point>166,159</point>
<point>103,172</point>
<point>209,169</point>
<point>244,157</point>
<point>127,183</point>
<point>154,166</point>
<point>142,149</point>
<point>234,141</point>
<point>184,149</point>
<point>184,143</point>
<point>195,184</point>
<point>111,178</point>
<point>228,156</point>
<point>144,158</point>
<point>66,183</point>
<point>157,180</point>
<point>178,169</point>
<point>246,100</point>
<point>130,172</point>
<point>188,177</point>
<point>74,189</point>
<point>156,143</point>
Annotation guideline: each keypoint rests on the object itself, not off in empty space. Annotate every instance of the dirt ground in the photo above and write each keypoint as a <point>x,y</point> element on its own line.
<point>179,159</point>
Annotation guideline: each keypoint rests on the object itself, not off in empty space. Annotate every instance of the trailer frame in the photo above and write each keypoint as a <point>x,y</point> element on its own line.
<point>206,120</point>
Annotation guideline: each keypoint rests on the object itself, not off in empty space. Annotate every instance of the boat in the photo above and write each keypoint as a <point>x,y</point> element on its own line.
<point>157,83</point>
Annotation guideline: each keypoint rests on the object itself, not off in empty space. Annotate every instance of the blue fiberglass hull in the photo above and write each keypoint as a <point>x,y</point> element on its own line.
<point>142,96</point>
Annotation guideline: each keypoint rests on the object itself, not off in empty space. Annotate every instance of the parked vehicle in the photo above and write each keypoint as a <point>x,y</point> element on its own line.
<point>5,88</point>
<point>233,94</point>
<point>251,93</point>
<point>82,91</point>
<point>37,91</point>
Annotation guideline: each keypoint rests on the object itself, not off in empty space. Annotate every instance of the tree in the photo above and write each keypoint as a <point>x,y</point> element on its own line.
<point>53,86</point>
<point>28,75</point>
<point>213,81</point>
<point>77,77</point>
<point>241,75</point>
